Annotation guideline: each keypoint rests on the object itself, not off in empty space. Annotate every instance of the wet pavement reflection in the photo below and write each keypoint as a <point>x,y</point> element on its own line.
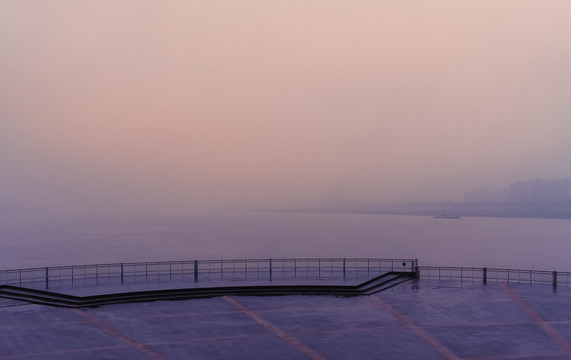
<point>423,319</point>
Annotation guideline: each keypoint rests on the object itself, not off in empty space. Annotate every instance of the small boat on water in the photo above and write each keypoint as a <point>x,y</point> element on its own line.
<point>444,216</point>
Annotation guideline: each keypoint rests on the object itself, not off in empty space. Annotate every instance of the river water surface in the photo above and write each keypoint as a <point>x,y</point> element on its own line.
<point>542,244</point>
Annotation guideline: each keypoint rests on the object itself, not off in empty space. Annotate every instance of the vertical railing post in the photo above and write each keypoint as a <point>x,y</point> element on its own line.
<point>416,269</point>
<point>170,271</point>
<point>121,274</point>
<point>344,268</point>
<point>530,276</point>
<point>295,268</point>
<point>485,275</point>
<point>270,269</point>
<point>47,275</point>
<point>555,279</point>
<point>195,271</point>
<point>369,268</point>
<point>20,277</point>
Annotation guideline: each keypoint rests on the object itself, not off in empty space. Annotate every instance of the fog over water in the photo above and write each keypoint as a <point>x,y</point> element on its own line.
<point>494,242</point>
<point>122,123</point>
<point>174,105</point>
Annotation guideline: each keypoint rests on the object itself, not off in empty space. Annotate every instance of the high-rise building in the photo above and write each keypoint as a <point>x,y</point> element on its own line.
<point>540,190</point>
<point>530,191</point>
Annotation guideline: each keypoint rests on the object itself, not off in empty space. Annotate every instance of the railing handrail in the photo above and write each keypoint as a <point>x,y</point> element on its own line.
<point>219,270</point>
<point>421,267</point>
<point>251,269</point>
<point>495,274</point>
<point>42,268</point>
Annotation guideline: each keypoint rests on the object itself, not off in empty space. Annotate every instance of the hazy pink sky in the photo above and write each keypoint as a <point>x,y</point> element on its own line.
<point>174,104</point>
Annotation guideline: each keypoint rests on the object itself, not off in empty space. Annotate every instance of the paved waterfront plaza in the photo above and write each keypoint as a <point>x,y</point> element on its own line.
<point>422,319</point>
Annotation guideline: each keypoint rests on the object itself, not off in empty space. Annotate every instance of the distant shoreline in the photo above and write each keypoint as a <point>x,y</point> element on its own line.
<point>496,210</point>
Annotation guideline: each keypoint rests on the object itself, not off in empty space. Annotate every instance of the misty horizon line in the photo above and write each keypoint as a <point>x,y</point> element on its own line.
<point>335,199</point>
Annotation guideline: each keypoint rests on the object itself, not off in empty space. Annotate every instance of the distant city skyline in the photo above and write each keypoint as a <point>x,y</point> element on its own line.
<point>528,191</point>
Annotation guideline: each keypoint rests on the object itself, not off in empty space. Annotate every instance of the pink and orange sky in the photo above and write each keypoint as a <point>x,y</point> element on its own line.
<point>171,105</point>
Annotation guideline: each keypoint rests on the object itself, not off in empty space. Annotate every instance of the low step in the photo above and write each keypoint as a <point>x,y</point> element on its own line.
<point>380,281</point>
<point>389,284</point>
<point>369,287</point>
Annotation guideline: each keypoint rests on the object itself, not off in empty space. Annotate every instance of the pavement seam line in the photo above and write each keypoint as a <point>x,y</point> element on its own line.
<point>275,330</point>
<point>145,350</point>
<point>535,316</point>
<point>441,348</point>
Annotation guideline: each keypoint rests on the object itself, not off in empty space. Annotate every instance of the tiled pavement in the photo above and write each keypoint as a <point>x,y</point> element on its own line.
<point>417,320</point>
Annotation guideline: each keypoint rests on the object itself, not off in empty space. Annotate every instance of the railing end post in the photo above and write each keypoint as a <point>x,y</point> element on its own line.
<point>195,271</point>
<point>554,279</point>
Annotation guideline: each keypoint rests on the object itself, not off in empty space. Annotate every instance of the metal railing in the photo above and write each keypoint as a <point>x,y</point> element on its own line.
<point>164,272</point>
<point>485,275</point>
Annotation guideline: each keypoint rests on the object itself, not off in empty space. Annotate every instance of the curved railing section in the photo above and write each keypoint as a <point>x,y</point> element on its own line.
<point>198,273</point>
<point>206,272</point>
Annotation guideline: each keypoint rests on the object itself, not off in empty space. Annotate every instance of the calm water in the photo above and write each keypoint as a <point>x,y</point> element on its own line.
<point>543,244</point>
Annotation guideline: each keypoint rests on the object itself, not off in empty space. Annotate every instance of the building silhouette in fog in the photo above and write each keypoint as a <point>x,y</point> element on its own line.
<point>530,191</point>
<point>540,190</point>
